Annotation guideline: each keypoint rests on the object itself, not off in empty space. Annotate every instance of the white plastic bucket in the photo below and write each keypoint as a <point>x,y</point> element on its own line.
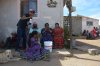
<point>48,45</point>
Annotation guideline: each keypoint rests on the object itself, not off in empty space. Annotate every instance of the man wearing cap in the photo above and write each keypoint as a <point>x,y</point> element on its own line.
<point>22,27</point>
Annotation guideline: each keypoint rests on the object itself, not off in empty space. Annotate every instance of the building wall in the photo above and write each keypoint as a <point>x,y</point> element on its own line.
<point>50,15</point>
<point>77,25</point>
<point>84,23</point>
<point>9,15</point>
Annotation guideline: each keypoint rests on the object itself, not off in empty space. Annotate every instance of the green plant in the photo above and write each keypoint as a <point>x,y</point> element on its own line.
<point>66,37</point>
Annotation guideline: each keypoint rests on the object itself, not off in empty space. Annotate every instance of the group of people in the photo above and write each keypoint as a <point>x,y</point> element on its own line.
<point>55,35</point>
<point>92,34</point>
<point>27,37</point>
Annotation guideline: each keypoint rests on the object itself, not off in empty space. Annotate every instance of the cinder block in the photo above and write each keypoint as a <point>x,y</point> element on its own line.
<point>93,51</point>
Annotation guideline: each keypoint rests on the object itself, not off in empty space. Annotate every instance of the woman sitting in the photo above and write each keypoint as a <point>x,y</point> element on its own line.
<point>34,28</point>
<point>46,34</point>
<point>35,52</point>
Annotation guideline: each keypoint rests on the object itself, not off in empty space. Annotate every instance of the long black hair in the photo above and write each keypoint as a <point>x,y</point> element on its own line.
<point>33,33</point>
<point>56,23</point>
<point>35,26</point>
<point>46,24</point>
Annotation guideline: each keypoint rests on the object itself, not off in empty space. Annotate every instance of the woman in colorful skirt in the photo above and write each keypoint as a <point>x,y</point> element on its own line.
<point>35,52</point>
<point>58,36</point>
<point>46,34</point>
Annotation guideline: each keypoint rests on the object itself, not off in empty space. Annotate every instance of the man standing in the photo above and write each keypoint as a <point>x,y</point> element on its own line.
<point>22,27</point>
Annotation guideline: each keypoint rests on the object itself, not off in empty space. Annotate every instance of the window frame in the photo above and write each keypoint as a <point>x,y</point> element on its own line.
<point>89,23</point>
<point>22,6</point>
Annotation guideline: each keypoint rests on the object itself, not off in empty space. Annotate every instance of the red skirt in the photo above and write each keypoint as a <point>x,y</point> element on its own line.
<point>58,42</point>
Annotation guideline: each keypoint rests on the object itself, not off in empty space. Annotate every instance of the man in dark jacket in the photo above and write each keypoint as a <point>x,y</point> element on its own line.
<point>22,27</point>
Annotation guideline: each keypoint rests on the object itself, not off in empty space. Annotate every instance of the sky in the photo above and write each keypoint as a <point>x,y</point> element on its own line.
<point>90,8</point>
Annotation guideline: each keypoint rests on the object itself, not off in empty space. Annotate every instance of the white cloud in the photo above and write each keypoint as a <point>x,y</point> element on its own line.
<point>65,11</point>
<point>96,15</point>
<point>85,4</point>
<point>89,8</point>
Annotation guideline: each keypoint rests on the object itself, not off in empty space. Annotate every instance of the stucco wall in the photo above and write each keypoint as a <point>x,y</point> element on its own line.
<point>9,15</point>
<point>84,24</point>
<point>50,15</point>
<point>79,24</point>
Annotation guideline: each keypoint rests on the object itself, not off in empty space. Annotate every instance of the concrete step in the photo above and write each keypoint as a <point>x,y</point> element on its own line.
<point>91,51</point>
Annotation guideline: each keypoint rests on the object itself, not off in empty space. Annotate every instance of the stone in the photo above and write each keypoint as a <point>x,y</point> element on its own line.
<point>66,53</point>
<point>93,51</point>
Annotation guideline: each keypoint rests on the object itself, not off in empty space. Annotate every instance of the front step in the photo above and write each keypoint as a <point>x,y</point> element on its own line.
<point>91,51</point>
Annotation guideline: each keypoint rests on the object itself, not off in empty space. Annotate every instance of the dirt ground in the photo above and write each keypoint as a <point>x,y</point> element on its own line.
<point>80,58</point>
<point>92,43</point>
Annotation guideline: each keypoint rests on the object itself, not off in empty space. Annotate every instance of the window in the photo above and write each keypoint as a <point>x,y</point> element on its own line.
<point>89,23</point>
<point>33,5</point>
<point>26,5</point>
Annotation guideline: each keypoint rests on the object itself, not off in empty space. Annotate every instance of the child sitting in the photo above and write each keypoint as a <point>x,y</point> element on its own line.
<point>35,52</point>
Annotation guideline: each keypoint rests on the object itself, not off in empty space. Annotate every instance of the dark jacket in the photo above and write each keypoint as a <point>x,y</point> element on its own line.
<point>22,23</point>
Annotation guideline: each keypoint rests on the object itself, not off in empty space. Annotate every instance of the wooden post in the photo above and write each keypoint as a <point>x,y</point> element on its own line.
<point>69,6</point>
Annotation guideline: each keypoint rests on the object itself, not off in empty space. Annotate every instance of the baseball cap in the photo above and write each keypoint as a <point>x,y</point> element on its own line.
<point>31,10</point>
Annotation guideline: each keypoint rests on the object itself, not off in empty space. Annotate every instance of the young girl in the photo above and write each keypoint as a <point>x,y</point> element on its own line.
<point>35,52</point>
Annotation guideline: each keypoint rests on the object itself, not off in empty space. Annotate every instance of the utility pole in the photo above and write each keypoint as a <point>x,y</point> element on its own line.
<point>70,22</point>
<point>69,6</point>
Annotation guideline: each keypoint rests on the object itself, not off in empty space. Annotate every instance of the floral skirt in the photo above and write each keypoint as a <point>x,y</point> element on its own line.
<point>38,55</point>
<point>58,42</point>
